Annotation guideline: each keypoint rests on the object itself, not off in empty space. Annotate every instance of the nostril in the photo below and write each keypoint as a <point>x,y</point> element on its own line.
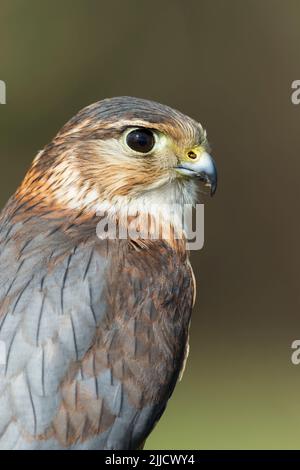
<point>192,155</point>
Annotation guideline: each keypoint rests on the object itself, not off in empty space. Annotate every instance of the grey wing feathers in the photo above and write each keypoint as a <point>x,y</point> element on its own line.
<point>52,304</point>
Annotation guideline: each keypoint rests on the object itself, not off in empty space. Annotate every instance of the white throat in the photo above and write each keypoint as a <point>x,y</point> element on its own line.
<point>166,206</point>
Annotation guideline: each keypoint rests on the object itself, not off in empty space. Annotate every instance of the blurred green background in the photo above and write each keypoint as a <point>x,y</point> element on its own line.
<point>230,65</point>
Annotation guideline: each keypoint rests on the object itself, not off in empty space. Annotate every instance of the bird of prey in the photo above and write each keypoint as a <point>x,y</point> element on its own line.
<point>95,328</point>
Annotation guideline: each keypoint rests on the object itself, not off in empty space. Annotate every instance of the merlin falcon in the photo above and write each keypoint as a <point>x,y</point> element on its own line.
<point>95,327</point>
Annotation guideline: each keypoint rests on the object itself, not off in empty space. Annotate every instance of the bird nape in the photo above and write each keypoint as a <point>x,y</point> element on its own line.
<point>95,325</point>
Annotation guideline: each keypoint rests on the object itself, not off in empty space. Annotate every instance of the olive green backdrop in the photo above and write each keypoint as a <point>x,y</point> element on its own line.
<point>230,65</point>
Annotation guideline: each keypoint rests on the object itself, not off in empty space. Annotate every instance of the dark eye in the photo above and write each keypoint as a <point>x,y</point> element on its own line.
<point>140,140</point>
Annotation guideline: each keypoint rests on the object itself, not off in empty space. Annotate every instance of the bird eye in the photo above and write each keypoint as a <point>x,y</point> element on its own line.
<point>140,140</point>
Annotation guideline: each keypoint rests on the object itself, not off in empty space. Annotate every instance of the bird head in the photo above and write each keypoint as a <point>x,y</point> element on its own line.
<point>124,151</point>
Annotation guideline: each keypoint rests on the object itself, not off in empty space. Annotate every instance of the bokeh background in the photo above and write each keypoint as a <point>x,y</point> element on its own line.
<point>230,65</point>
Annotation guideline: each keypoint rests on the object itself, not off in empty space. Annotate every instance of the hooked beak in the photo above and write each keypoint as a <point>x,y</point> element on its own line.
<point>204,168</point>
